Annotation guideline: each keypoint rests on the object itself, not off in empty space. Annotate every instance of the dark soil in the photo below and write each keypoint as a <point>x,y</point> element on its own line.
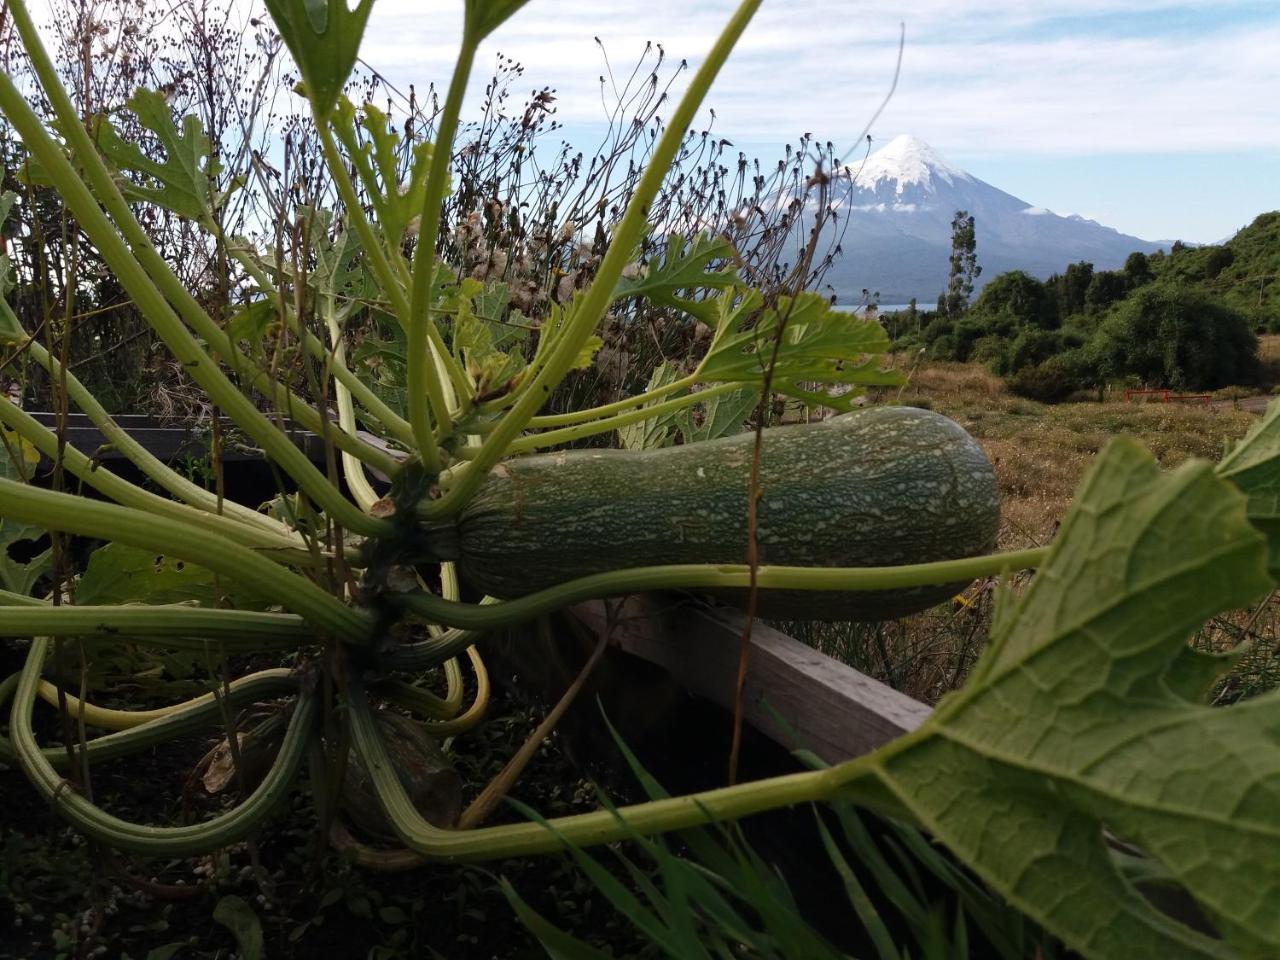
<point>63,897</point>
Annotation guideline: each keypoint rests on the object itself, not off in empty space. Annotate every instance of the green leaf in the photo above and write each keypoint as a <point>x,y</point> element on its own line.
<point>117,573</point>
<point>684,266</point>
<point>558,320</point>
<point>236,915</point>
<point>251,322</point>
<point>22,576</point>
<point>185,182</point>
<point>659,431</point>
<point>721,416</point>
<point>820,348</point>
<point>397,190</point>
<point>11,331</point>
<point>485,16</point>
<point>1076,724</point>
<point>1254,467</point>
<point>324,38</point>
<point>558,944</point>
<point>476,338</point>
<point>18,456</point>
<point>166,952</point>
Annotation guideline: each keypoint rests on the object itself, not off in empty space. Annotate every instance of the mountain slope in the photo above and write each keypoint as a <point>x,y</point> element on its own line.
<point>898,239</point>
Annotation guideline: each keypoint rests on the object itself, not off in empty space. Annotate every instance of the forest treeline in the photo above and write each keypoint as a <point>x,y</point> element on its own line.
<point>1188,319</point>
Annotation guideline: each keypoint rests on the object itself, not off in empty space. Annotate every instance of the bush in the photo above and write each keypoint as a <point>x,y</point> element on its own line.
<point>1170,336</point>
<point>1049,381</point>
<point>1033,347</point>
<point>1017,298</point>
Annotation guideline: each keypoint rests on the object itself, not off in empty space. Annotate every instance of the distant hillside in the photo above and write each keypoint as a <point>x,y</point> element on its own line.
<point>898,238</point>
<point>1187,319</point>
<point>1243,273</point>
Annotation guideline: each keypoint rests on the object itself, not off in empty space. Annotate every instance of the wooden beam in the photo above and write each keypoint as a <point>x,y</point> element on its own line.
<point>796,696</point>
<point>164,440</point>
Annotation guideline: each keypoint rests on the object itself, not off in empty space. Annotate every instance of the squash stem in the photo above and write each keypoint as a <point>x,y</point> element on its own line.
<point>137,528</point>
<point>422,383</point>
<point>609,409</point>
<point>592,305</point>
<point>466,616</point>
<point>189,840</point>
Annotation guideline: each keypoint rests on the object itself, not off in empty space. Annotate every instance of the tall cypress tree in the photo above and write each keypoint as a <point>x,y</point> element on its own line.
<point>964,264</point>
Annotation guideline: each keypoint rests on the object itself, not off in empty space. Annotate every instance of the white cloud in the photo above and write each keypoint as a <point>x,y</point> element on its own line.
<point>979,76</point>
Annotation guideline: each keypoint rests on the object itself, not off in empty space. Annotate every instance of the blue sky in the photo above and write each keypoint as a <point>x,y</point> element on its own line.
<point>1157,117</point>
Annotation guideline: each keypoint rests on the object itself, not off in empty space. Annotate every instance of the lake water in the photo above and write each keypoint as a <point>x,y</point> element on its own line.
<point>882,308</point>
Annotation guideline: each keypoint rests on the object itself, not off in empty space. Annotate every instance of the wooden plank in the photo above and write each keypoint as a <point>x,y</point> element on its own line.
<point>825,706</point>
<point>168,442</point>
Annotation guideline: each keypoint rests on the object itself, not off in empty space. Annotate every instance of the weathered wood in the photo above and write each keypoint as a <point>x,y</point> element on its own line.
<point>795,695</point>
<point>168,442</point>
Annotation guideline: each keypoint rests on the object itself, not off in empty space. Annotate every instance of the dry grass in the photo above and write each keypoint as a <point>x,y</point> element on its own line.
<point>1040,454</point>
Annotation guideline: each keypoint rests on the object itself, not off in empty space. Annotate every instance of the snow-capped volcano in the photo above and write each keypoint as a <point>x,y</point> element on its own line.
<point>899,203</point>
<point>905,161</point>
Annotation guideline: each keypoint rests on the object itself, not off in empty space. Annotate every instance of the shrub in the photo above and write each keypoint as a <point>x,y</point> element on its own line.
<point>1049,381</point>
<point>1171,336</point>
<point>1018,297</point>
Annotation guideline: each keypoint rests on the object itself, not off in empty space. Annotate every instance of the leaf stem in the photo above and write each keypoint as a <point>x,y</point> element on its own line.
<point>188,840</point>
<point>421,378</point>
<point>538,441</point>
<point>609,409</point>
<point>183,718</point>
<point>602,826</point>
<point>153,303</point>
<point>629,232</point>
<point>123,492</point>
<point>163,625</point>
<point>151,466</point>
<point>107,521</point>
<point>467,616</point>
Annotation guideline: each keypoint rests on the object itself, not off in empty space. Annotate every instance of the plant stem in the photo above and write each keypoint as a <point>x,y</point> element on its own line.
<point>622,246</point>
<point>352,469</point>
<point>421,377</point>
<point>106,521</point>
<point>602,826</point>
<point>184,719</point>
<point>280,544</point>
<point>428,389</point>
<point>395,424</point>
<point>141,284</point>
<point>189,628</point>
<point>151,466</point>
<point>712,576</point>
<point>184,841</point>
<point>609,409</point>
<point>537,441</point>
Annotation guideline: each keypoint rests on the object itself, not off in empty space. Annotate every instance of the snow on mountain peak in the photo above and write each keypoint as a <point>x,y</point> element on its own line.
<point>906,160</point>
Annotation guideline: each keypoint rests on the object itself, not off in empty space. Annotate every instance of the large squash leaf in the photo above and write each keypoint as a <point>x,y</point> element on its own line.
<point>117,573</point>
<point>324,38</point>
<point>1253,465</point>
<point>821,348</point>
<point>1080,723</point>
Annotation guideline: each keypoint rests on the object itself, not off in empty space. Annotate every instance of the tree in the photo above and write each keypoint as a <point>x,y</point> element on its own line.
<point>1019,296</point>
<point>1219,259</point>
<point>1137,269</point>
<point>1073,288</point>
<point>1173,336</point>
<point>1106,287</point>
<point>964,264</point>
